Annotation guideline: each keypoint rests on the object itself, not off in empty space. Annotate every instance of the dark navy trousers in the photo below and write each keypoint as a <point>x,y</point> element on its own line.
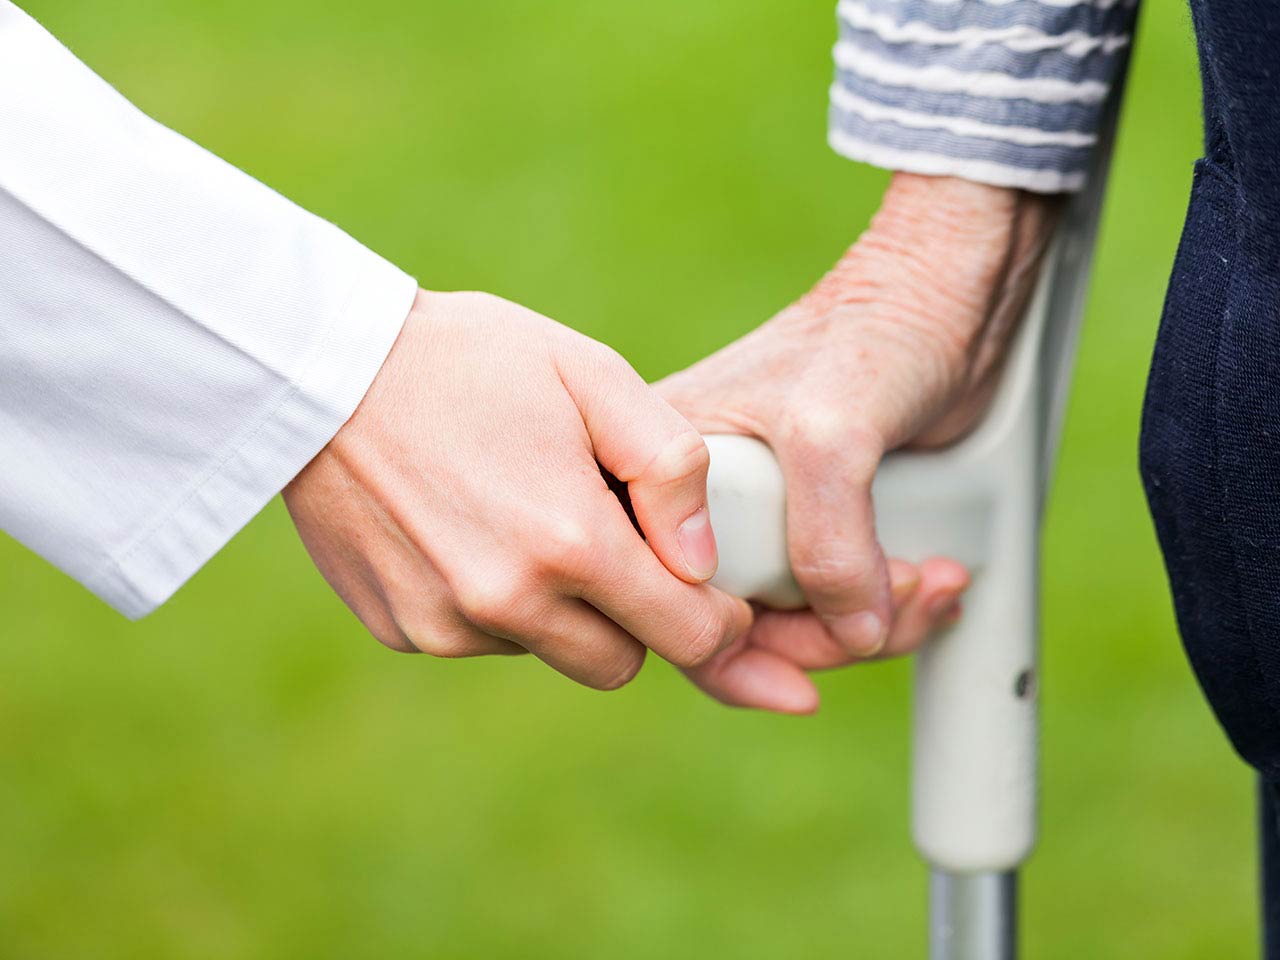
<point>1210,449</point>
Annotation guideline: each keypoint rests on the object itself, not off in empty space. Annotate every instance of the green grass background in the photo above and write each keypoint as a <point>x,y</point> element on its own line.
<point>246,775</point>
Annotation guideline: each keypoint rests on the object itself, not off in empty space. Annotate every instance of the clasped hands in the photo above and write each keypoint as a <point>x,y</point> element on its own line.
<point>461,510</point>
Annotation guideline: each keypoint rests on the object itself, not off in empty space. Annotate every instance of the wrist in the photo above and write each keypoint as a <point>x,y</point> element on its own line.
<point>943,251</point>
<point>950,206</point>
<point>957,228</point>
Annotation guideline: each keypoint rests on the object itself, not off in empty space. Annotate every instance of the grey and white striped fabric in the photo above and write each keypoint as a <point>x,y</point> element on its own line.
<point>1007,92</point>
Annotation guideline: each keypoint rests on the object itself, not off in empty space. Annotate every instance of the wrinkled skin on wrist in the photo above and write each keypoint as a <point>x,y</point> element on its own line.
<point>901,344</point>
<point>462,511</point>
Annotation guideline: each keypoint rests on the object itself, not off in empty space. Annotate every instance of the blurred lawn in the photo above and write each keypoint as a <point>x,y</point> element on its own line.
<point>246,775</point>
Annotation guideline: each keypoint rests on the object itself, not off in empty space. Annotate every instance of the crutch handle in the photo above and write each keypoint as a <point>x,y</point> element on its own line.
<point>974,731</point>
<point>975,725</point>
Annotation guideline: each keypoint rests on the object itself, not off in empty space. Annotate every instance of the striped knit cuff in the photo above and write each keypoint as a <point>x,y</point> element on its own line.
<point>1005,92</point>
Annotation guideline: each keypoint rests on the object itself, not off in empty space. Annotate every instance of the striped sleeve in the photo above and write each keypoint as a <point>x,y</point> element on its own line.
<point>1006,92</point>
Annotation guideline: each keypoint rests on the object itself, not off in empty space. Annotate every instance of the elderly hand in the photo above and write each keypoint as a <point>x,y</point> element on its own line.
<point>900,344</point>
<point>462,511</point>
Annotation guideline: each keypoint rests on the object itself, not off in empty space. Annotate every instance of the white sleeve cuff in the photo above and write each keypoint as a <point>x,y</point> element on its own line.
<point>271,450</point>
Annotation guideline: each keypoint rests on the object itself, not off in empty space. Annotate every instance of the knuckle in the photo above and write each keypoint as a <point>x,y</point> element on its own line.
<point>494,603</point>
<point>682,457</point>
<point>621,674</point>
<point>830,436</point>
<point>704,642</point>
<point>832,568</point>
<point>815,428</point>
<point>565,548</point>
<point>445,644</point>
<point>383,626</point>
<point>397,640</point>
<point>426,634</point>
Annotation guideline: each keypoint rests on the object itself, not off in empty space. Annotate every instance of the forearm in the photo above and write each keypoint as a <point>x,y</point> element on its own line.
<point>955,240</point>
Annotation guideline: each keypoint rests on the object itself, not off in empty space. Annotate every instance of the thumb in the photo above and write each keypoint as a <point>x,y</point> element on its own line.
<point>641,439</point>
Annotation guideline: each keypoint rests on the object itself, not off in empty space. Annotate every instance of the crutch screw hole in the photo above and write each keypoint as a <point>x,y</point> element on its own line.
<point>1024,687</point>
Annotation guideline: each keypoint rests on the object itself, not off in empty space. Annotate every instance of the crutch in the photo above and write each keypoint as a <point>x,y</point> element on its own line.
<point>976,686</point>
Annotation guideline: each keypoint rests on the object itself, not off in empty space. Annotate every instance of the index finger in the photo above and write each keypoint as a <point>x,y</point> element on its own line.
<point>831,538</point>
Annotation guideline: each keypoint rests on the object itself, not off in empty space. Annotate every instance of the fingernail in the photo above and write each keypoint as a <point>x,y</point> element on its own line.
<point>902,583</point>
<point>862,633</point>
<point>698,544</point>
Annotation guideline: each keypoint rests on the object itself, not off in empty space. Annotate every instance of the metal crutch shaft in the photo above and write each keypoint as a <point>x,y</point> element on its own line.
<point>973,916</point>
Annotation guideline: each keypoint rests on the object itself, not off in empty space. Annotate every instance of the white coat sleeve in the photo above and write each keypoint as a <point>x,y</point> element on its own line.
<point>176,339</point>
